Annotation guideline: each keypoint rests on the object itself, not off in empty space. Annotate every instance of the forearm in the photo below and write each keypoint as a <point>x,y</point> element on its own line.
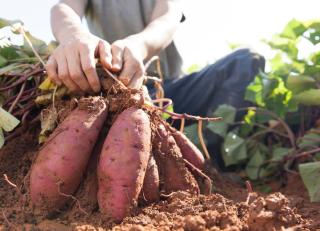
<point>65,22</point>
<point>159,32</point>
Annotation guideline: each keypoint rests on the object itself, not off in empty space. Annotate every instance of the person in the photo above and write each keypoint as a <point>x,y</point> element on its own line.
<point>124,35</point>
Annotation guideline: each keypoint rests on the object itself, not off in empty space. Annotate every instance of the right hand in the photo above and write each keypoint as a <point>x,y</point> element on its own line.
<point>73,62</point>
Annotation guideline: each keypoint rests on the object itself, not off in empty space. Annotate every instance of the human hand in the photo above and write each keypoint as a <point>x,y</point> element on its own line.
<point>127,57</point>
<point>73,62</point>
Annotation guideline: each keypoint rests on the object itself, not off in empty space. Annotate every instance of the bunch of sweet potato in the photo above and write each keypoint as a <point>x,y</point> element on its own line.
<point>142,158</point>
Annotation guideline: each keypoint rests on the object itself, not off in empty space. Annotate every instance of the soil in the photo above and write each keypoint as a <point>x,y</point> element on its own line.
<point>229,207</point>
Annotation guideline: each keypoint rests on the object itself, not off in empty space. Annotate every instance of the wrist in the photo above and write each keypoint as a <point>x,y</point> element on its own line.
<point>70,34</point>
<point>140,43</point>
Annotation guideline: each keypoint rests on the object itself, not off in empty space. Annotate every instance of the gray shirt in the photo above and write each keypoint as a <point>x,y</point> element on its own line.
<point>117,19</point>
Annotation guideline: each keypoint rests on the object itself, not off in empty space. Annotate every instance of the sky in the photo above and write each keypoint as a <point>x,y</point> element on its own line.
<point>210,27</point>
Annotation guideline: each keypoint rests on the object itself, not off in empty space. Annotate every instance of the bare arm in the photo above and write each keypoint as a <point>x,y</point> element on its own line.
<point>73,62</point>
<point>159,33</point>
<point>156,36</point>
<point>66,18</point>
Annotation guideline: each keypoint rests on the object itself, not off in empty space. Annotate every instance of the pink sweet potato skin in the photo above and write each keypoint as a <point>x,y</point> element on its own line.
<point>150,191</point>
<point>171,165</point>
<point>123,163</point>
<point>189,151</point>
<point>62,161</point>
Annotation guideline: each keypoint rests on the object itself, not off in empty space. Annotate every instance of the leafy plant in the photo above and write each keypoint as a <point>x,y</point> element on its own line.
<point>281,132</point>
<point>21,72</point>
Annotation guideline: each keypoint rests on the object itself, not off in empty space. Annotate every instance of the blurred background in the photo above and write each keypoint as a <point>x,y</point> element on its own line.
<point>210,28</point>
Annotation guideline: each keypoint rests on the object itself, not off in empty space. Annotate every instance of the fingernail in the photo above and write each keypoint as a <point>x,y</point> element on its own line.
<point>116,67</point>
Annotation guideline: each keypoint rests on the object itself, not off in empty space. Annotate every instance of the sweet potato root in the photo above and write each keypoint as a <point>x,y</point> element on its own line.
<point>123,163</point>
<point>189,151</point>
<point>150,191</point>
<point>62,160</point>
<point>172,168</point>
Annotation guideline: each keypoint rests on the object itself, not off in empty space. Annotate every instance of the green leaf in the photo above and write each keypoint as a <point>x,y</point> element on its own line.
<point>10,52</point>
<point>279,153</point>
<point>254,164</point>
<point>164,115</point>
<point>3,61</point>
<point>294,29</point>
<point>5,22</point>
<point>301,83</point>
<point>7,121</point>
<point>286,45</point>
<point>234,149</point>
<point>1,138</point>
<point>39,45</point>
<point>314,37</point>
<point>312,69</point>
<point>310,174</point>
<point>309,139</point>
<point>254,92</point>
<point>191,132</point>
<point>228,114</point>
<point>52,46</point>
<point>250,116</point>
<point>9,68</point>
<point>309,97</point>
<point>315,58</point>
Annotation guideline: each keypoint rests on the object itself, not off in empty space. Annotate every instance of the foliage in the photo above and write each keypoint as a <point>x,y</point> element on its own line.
<point>7,123</point>
<point>281,132</point>
<point>21,71</point>
<point>282,127</point>
<point>311,177</point>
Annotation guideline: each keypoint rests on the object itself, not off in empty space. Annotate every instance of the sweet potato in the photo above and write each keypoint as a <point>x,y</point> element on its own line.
<point>123,163</point>
<point>62,160</point>
<point>150,190</point>
<point>171,165</point>
<point>189,151</point>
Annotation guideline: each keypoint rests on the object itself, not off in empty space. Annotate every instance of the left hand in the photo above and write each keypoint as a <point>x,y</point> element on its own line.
<point>127,57</point>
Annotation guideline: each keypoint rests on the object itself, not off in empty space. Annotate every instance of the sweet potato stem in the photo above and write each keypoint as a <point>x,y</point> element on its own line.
<point>182,122</point>
<point>203,145</point>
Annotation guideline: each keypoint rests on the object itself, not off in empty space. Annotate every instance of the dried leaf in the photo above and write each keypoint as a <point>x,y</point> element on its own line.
<point>47,98</point>
<point>48,123</point>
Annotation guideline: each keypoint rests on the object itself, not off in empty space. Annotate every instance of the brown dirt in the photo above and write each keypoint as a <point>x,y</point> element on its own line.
<point>228,208</point>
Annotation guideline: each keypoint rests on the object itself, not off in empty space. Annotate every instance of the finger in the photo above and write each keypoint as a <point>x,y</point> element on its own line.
<point>117,50</point>
<point>127,73</point>
<point>51,68</point>
<point>105,54</point>
<point>63,73</point>
<point>88,66</point>
<point>137,80</point>
<point>75,70</point>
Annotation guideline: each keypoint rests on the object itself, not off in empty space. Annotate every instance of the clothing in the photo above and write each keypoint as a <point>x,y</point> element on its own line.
<point>116,19</point>
<point>223,82</point>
